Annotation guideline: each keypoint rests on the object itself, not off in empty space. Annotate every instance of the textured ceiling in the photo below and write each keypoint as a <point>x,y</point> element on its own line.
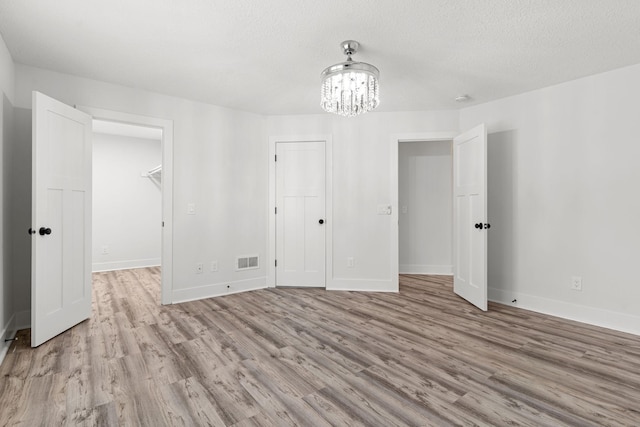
<point>266,56</point>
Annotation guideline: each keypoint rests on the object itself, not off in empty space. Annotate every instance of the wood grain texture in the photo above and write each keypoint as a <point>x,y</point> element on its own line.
<point>307,357</point>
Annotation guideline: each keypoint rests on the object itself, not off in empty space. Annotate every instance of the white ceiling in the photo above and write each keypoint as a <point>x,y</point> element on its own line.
<point>266,56</point>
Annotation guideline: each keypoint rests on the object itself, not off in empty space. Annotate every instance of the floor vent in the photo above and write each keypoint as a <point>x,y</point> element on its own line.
<point>249,262</point>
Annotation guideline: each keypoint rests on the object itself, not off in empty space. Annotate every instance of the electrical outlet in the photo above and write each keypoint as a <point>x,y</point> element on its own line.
<point>214,265</point>
<point>105,250</point>
<point>576,283</point>
<point>350,262</point>
<point>199,268</point>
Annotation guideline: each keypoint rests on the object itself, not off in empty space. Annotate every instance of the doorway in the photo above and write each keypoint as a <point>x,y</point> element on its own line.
<point>126,197</point>
<point>159,178</point>
<point>425,206</point>
<point>470,223</point>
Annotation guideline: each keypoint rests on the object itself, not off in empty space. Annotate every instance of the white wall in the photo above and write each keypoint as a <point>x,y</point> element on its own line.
<point>6,308</point>
<point>7,139</point>
<point>563,198</point>
<point>219,165</point>
<point>7,72</point>
<point>127,212</point>
<point>362,165</point>
<point>425,207</point>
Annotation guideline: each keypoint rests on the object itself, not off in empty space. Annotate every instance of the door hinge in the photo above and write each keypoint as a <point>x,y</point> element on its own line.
<point>275,158</point>
<point>163,223</point>
<point>276,210</point>
<point>276,263</point>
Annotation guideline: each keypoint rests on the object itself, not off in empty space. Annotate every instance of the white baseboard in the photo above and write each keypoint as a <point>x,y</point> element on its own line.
<point>594,316</point>
<point>362,285</point>
<point>125,265</point>
<point>7,333</point>
<point>441,270</point>
<point>217,289</point>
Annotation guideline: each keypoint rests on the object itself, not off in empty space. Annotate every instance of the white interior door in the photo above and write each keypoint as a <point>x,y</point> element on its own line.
<point>300,214</point>
<point>470,216</point>
<point>61,218</point>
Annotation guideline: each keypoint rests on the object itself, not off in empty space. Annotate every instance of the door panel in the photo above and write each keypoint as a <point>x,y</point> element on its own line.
<point>61,207</point>
<point>300,203</point>
<point>470,209</point>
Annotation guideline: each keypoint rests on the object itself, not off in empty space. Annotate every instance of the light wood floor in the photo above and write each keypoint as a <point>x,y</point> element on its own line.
<point>308,357</point>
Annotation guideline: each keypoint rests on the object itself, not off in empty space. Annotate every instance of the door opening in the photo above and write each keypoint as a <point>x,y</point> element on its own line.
<point>127,198</point>
<point>149,128</point>
<point>61,199</point>
<point>425,206</point>
<point>469,223</point>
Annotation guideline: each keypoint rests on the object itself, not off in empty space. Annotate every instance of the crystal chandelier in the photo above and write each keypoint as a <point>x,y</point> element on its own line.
<point>349,88</point>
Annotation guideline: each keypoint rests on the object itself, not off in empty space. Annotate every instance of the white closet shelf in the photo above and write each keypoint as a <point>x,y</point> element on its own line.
<point>154,174</point>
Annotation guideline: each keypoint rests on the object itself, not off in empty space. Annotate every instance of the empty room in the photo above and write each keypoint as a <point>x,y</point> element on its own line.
<point>337,213</point>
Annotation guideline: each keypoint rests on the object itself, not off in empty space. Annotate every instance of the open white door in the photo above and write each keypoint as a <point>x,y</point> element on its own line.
<point>300,214</point>
<point>61,218</point>
<point>470,216</point>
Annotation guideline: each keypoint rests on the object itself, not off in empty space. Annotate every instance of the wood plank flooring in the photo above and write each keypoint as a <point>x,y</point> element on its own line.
<point>307,357</point>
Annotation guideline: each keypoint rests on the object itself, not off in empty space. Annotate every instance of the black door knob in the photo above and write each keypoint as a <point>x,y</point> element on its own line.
<point>44,231</point>
<point>321,221</point>
<point>32,231</point>
<point>479,225</point>
<point>487,226</point>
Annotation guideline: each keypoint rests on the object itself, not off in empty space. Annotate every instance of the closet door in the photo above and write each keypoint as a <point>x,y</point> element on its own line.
<point>300,217</point>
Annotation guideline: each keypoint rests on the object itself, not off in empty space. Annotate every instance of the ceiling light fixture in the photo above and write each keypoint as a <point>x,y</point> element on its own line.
<point>349,88</point>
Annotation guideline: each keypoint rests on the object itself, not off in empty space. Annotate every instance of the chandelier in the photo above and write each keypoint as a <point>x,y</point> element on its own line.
<point>349,88</point>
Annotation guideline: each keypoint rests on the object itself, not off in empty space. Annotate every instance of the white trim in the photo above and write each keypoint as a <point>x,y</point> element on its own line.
<point>21,320</point>
<point>394,141</point>
<point>424,136</point>
<point>594,316</point>
<point>218,289</point>
<point>125,265</point>
<point>8,333</point>
<point>441,270</point>
<point>167,184</point>
<point>364,285</point>
<point>271,226</point>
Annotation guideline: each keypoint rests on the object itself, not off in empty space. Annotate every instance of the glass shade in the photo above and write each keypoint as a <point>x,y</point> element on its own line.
<point>349,88</point>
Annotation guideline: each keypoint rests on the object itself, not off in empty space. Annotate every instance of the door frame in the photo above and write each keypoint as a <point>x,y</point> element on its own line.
<point>271,204</point>
<point>396,139</point>
<point>166,256</point>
